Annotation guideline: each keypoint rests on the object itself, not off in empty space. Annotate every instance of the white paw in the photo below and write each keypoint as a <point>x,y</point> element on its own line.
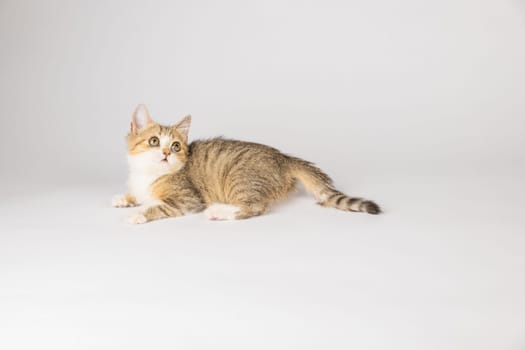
<point>137,218</point>
<point>120,202</point>
<point>220,211</point>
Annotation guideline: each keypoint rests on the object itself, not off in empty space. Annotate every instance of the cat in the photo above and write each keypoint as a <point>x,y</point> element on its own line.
<point>227,179</point>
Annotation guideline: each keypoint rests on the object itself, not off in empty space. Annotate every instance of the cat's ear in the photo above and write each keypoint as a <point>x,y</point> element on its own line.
<point>183,126</point>
<point>140,118</point>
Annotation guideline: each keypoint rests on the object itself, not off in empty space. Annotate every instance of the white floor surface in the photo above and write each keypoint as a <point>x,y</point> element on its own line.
<point>443,268</point>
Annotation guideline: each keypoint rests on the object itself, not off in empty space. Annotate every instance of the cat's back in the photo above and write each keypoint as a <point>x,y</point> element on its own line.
<point>215,164</point>
<point>223,151</point>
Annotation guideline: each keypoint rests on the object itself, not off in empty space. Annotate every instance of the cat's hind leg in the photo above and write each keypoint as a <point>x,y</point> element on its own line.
<point>250,210</point>
<point>220,211</point>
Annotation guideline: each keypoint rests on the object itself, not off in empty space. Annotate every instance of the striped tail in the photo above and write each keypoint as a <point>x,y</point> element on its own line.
<point>320,185</point>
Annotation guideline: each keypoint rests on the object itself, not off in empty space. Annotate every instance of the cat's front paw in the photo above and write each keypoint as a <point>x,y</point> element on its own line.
<point>123,201</point>
<point>137,218</point>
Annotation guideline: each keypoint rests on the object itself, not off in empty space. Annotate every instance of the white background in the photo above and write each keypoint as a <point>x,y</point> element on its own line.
<point>419,105</point>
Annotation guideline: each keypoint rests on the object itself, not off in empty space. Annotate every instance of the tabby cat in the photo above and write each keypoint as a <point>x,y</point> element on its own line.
<point>226,179</point>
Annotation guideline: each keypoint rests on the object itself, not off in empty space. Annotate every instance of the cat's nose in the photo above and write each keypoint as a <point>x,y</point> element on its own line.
<point>166,152</point>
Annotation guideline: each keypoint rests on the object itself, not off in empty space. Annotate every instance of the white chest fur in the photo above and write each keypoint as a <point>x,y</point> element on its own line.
<point>139,186</point>
<point>142,173</point>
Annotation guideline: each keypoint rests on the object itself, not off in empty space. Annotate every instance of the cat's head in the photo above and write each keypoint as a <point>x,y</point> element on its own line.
<point>157,148</point>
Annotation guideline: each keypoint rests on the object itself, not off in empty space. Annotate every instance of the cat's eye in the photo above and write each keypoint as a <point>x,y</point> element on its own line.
<point>175,147</point>
<point>154,141</point>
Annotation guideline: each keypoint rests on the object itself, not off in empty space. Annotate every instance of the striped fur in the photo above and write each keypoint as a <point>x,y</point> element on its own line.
<point>320,185</point>
<point>247,176</point>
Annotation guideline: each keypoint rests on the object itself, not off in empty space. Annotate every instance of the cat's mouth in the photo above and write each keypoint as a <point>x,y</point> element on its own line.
<point>164,160</point>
